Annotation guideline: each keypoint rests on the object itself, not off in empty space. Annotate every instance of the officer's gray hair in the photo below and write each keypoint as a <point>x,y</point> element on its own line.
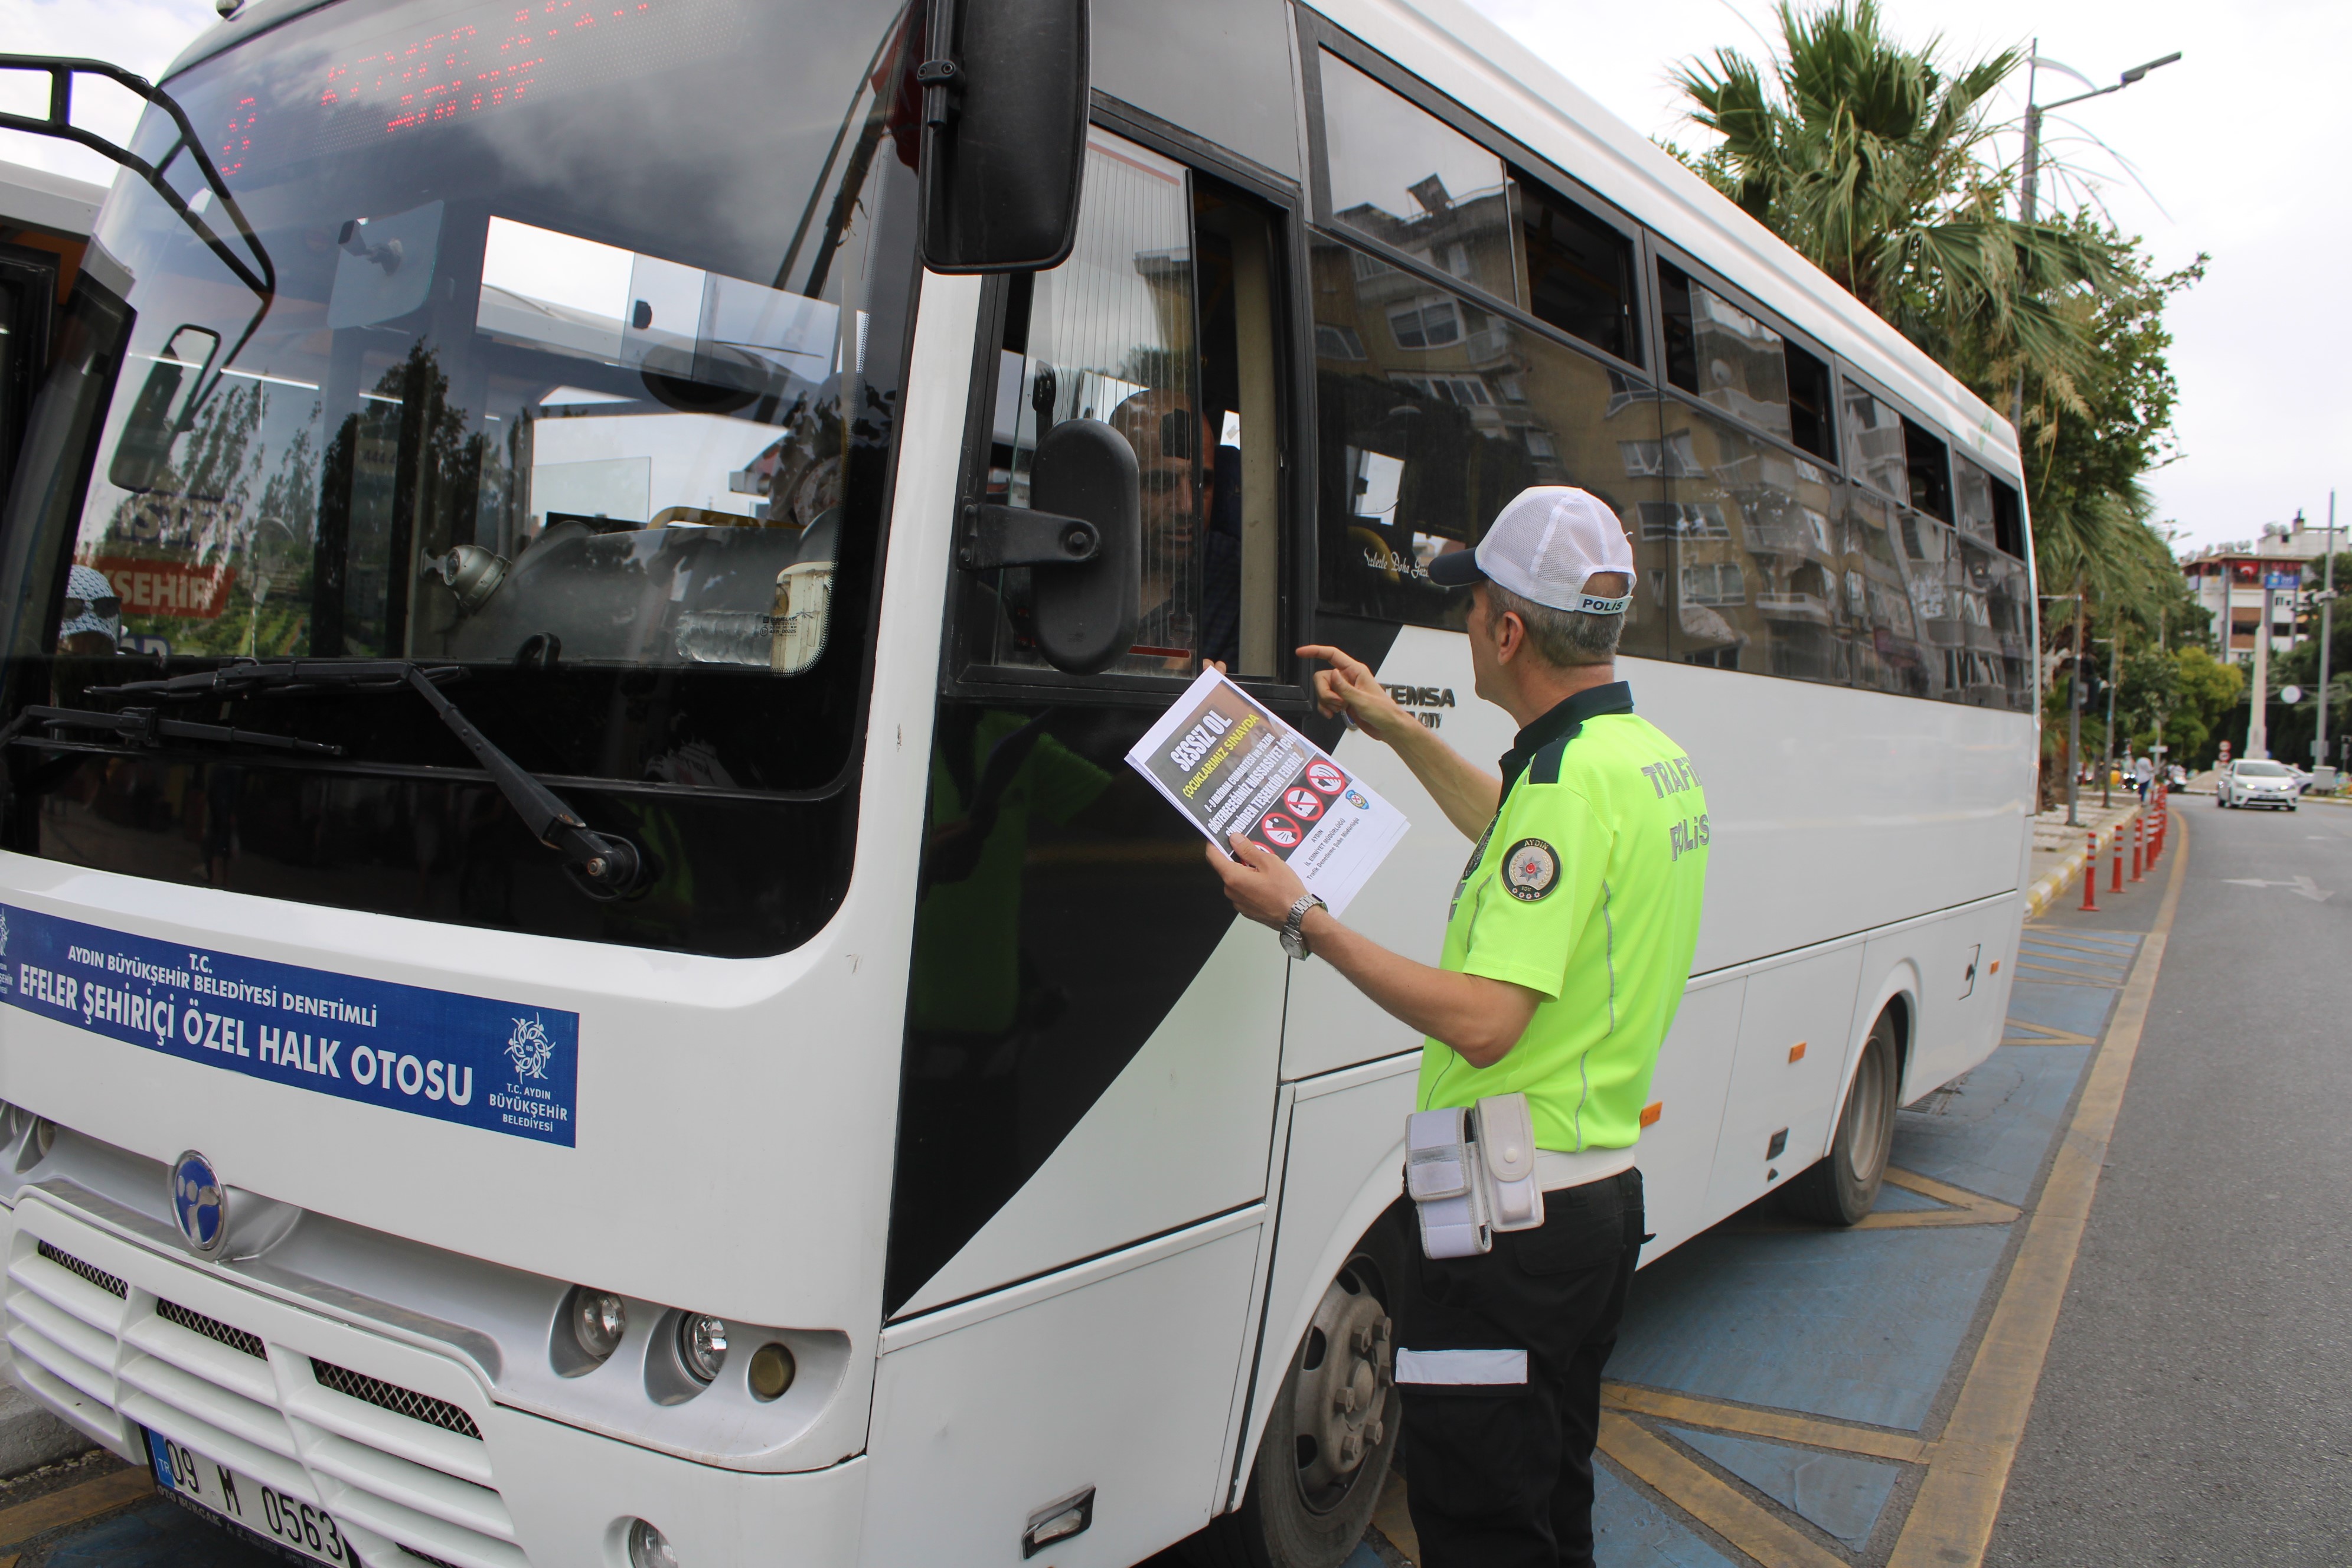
<point>1565,639</point>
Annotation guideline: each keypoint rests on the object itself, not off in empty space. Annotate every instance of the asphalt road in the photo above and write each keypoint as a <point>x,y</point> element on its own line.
<point>2197,1404</point>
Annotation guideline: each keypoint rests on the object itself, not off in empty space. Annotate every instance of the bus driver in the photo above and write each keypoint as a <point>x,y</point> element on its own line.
<point>1566,954</point>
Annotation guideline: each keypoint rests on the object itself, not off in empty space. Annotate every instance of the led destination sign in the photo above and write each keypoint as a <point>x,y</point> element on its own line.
<point>468,1059</point>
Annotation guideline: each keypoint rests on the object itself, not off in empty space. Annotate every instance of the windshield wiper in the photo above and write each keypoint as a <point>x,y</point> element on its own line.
<point>603,865</point>
<point>145,727</point>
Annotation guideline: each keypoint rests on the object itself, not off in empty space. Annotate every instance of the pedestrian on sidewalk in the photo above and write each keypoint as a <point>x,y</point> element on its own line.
<point>2146,770</point>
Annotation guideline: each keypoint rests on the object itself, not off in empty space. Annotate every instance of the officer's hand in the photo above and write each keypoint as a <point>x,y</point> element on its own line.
<point>1348,686</point>
<point>1260,885</point>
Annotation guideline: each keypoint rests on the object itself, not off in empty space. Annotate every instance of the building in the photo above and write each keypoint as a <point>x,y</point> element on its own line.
<point>2230,580</point>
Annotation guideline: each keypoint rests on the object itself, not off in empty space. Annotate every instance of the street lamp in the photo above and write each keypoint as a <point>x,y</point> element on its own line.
<point>2326,598</point>
<point>2028,176</point>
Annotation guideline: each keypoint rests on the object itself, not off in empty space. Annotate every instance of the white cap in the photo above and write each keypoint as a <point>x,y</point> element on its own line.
<point>1543,547</point>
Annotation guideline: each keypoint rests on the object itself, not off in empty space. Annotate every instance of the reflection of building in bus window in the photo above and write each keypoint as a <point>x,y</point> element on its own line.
<point>90,621</point>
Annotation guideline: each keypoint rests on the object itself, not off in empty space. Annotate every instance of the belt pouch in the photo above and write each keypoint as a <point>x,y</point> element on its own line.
<point>1507,1150</point>
<point>1443,1177</point>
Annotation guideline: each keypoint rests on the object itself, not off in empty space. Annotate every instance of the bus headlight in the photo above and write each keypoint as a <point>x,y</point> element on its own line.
<point>702,1345</point>
<point>599,1318</point>
<point>649,1548</point>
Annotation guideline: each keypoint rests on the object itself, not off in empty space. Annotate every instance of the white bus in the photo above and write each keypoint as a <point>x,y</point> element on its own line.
<point>585,983</point>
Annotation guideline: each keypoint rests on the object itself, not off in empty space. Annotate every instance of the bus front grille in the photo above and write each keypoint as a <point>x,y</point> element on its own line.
<point>407,1473</point>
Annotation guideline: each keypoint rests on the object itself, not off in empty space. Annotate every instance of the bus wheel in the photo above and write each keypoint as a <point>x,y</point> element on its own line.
<point>1330,1434</point>
<point>1842,1188</point>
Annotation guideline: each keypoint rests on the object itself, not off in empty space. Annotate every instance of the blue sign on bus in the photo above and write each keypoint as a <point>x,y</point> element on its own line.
<point>494,1065</point>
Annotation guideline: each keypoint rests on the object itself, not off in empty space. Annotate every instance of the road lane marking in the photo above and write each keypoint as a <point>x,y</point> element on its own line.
<point>2068,977</point>
<point>76,1504</point>
<point>1780,1424</point>
<point>1714,1502</point>
<point>2044,1035</point>
<point>1951,1521</point>
<point>2105,942</point>
<point>2303,887</point>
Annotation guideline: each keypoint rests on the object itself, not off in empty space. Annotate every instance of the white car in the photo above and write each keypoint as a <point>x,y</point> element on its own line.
<point>2253,780</point>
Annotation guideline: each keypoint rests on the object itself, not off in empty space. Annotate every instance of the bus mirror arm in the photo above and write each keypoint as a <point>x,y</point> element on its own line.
<point>251,267</point>
<point>999,536</point>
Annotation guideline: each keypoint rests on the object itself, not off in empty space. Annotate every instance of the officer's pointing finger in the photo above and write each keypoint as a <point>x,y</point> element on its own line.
<point>1347,668</point>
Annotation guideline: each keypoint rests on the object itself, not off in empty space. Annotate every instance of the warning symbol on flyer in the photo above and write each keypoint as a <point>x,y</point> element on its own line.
<point>1280,831</point>
<point>1303,801</point>
<point>1326,777</point>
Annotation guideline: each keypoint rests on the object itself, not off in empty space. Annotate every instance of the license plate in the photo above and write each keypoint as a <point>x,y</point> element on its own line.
<point>302,1529</point>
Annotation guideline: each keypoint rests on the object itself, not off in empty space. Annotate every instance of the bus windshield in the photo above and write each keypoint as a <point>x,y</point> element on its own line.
<point>581,371</point>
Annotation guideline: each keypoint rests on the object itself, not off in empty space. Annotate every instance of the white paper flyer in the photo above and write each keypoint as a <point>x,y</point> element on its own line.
<point>1231,766</point>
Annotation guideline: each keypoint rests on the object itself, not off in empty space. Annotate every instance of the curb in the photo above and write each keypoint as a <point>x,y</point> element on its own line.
<point>2044,890</point>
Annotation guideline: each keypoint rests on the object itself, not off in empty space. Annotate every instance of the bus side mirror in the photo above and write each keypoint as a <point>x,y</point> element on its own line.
<point>1086,614</point>
<point>1004,133</point>
<point>162,412</point>
<point>1080,542</point>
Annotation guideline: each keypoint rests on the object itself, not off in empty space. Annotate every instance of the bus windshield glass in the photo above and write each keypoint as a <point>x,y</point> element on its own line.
<point>579,371</point>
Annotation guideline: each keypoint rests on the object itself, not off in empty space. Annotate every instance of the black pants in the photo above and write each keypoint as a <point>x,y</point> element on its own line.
<point>1499,1474</point>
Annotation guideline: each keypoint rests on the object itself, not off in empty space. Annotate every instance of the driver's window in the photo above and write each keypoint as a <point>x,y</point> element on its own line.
<point>1162,324</point>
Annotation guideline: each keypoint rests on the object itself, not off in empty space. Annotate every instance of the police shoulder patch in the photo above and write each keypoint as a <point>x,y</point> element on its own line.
<point>1531,869</point>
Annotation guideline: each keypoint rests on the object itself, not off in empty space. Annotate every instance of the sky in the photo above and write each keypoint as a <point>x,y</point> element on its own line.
<point>2232,153</point>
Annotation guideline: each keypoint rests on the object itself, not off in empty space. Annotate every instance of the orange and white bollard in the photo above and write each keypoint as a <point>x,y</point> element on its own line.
<point>2139,838</point>
<point>2091,876</point>
<point>2117,884</point>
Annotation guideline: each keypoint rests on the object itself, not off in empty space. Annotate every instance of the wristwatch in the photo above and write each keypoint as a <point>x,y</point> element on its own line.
<point>1293,925</point>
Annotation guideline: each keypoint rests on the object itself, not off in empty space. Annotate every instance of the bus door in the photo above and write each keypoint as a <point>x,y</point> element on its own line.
<point>1092,1036</point>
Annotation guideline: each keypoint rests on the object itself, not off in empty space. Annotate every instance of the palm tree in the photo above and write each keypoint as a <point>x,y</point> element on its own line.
<point>1870,158</point>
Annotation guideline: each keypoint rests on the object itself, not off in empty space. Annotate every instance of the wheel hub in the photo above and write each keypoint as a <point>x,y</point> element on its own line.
<point>1345,1376</point>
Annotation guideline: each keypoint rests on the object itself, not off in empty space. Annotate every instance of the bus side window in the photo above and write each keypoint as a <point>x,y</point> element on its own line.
<point>1579,271</point>
<point>1758,544</point>
<point>1163,324</point>
<point>1433,413</point>
<point>1888,656</point>
<point>1874,443</point>
<point>1400,175</point>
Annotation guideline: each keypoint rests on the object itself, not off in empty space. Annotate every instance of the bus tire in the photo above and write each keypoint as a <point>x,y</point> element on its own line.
<point>1307,1505</point>
<point>1840,1188</point>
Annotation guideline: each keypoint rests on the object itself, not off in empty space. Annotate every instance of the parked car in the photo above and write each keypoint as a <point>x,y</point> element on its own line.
<point>2301,777</point>
<point>2255,781</point>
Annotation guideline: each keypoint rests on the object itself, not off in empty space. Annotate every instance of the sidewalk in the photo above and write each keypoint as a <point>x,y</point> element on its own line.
<point>2059,850</point>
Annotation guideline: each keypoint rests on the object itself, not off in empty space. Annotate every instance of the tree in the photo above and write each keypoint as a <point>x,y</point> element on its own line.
<point>2204,690</point>
<point>1875,161</point>
<point>1872,160</point>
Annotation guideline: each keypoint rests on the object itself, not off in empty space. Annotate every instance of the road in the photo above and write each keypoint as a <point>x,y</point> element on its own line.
<point>2128,1221</point>
<point>2197,1404</point>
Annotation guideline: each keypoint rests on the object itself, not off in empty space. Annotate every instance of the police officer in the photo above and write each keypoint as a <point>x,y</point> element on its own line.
<point>1567,949</point>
